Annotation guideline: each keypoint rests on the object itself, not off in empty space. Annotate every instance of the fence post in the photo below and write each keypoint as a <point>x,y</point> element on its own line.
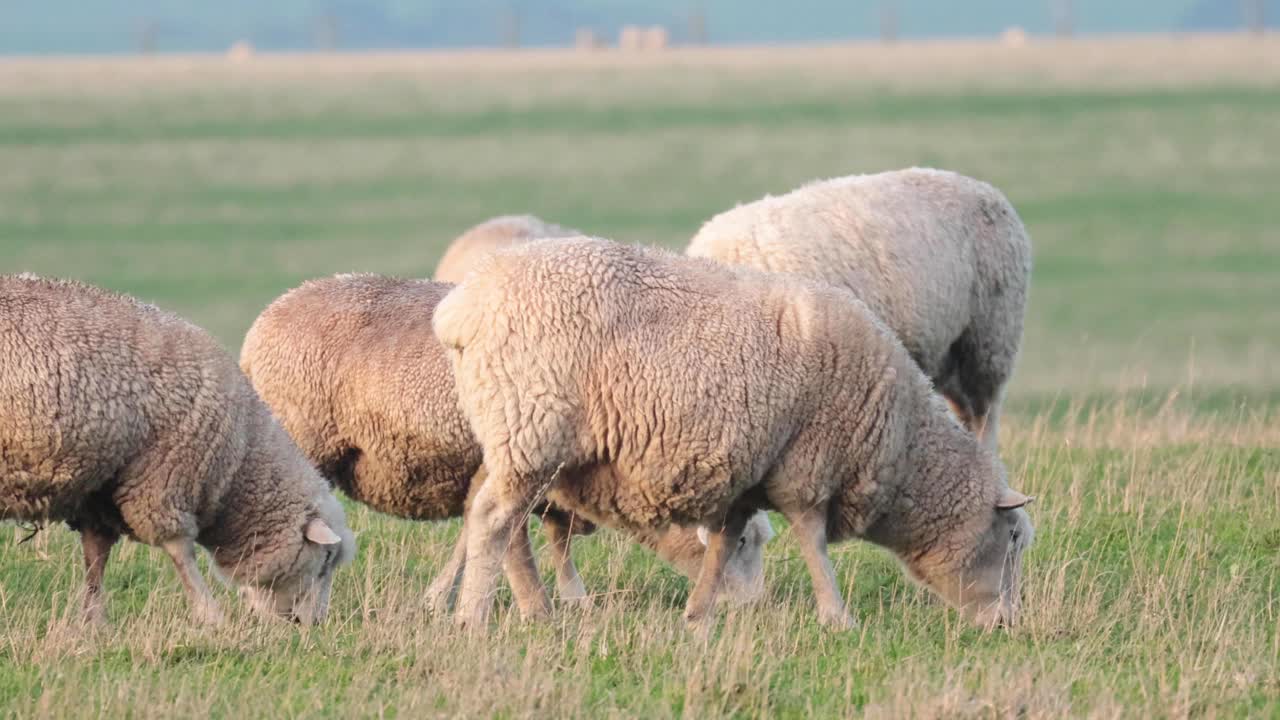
<point>147,37</point>
<point>1255,15</point>
<point>698,25</point>
<point>509,26</point>
<point>325,31</point>
<point>1063,20</point>
<point>888,21</point>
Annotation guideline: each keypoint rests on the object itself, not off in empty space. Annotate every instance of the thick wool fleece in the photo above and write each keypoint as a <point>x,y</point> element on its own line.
<point>352,369</point>
<point>941,258</point>
<point>122,419</point>
<point>643,389</point>
<point>493,234</point>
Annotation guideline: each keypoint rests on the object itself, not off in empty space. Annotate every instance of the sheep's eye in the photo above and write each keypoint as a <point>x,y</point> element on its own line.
<point>742,542</point>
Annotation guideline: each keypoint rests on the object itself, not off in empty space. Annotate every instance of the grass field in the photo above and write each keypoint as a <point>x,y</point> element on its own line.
<point>1145,414</point>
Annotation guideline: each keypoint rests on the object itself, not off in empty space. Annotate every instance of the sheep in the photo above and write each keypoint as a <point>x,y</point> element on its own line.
<point>642,389</point>
<point>941,258</point>
<point>352,370</point>
<point>118,418</point>
<point>492,234</point>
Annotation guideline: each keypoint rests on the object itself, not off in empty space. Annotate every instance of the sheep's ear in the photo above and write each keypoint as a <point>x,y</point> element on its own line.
<point>320,533</point>
<point>703,536</point>
<point>1010,499</point>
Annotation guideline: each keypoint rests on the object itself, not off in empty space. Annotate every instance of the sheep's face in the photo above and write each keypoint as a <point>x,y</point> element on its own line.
<point>984,584</point>
<point>744,573</point>
<point>300,592</point>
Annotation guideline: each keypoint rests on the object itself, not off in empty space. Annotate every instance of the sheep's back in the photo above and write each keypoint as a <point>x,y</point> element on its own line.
<point>903,242</point>
<point>464,253</point>
<point>90,379</point>
<point>661,381</point>
<point>369,391</point>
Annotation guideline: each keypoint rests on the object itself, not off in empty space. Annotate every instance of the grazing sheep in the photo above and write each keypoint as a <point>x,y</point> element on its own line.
<point>121,419</point>
<point>351,368</point>
<point>941,258</point>
<point>640,389</point>
<point>493,234</point>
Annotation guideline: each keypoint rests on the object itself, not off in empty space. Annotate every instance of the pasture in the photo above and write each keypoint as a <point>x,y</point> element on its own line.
<point>1145,412</point>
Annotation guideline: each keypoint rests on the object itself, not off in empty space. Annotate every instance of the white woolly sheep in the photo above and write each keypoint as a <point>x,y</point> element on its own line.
<point>941,258</point>
<point>121,419</point>
<point>492,234</point>
<point>643,389</point>
<point>352,370</point>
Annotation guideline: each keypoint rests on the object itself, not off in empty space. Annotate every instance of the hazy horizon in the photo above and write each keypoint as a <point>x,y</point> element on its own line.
<point>60,27</point>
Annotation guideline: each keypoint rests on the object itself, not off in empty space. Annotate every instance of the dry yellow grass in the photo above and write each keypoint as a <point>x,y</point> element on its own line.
<point>1152,591</point>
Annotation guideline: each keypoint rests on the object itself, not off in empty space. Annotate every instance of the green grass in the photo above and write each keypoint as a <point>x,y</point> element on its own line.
<point>1143,416</point>
<point>1051,110</point>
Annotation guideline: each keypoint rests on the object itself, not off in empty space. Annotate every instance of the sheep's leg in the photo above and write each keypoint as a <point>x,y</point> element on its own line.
<point>522,572</point>
<point>989,428</point>
<point>568,583</point>
<point>810,529</point>
<point>959,410</point>
<point>491,522</point>
<point>443,589</point>
<point>446,583</point>
<point>97,544</point>
<point>203,607</point>
<point>983,423</point>
<point>983,357</point>
<point>720,545</point>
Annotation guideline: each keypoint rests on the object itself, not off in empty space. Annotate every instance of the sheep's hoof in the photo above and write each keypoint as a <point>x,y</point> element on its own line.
<point>472,619</point>
<point>699,607</point>
<point>94,613</point>
<point>699,626</point>
<point>574,593</point>
<point>836,619</point>
<point>207,615</point>
<point>583,603</point>
<point>437,602</point>
<point>697,615</point>
<point>536,611</point>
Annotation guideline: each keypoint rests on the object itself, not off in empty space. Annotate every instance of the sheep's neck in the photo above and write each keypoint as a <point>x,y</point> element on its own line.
<point>934,468</point>
<point>244,522</point>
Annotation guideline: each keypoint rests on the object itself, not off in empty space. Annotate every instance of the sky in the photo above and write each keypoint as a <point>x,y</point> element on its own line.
<point>126,26</point>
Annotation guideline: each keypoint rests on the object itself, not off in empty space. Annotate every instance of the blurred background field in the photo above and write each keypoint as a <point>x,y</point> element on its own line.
<point>210,187</point>
<point>1144,408</point>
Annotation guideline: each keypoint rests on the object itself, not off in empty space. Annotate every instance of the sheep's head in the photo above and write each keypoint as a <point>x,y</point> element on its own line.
<point>978,567</point>
<point>744,573</point>
<point>299,588</point>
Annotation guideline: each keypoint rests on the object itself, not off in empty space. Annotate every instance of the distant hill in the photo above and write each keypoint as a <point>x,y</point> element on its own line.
<point>115,26</point>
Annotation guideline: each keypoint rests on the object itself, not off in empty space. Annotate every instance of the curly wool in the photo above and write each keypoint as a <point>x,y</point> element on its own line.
<point>494,234</point>
<point>678,390</point>
<point>941,258</point>
<point>120,417</point>
<point>352,369</point>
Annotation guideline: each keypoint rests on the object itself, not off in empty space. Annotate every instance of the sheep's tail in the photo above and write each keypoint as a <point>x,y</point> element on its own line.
<point>457,319</point>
